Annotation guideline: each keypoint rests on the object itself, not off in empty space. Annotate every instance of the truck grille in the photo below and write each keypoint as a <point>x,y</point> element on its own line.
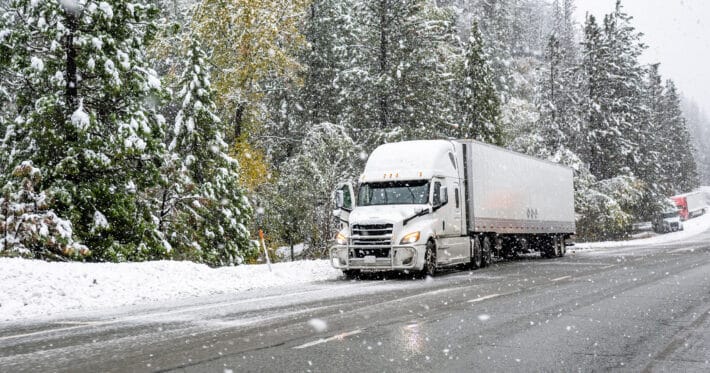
<point>372,235</point>
<point>377,253</point>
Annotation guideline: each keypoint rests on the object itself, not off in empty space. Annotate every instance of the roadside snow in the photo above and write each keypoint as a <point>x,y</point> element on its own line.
<point>692,227</point>
<point>34,288</point>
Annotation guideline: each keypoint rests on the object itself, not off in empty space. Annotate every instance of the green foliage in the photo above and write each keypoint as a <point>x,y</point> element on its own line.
<point>28,227</point>
<point>203,209</point>
<point>477,101</point>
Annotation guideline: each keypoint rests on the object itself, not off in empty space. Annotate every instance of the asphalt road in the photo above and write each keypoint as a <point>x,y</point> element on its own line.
<point>628,309</point>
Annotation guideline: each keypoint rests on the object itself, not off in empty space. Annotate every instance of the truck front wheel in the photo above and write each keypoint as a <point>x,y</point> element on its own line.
<point>476,255</point>
<point>429,259</point>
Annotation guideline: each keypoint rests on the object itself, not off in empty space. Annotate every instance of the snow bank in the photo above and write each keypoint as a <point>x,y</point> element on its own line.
<point>33,288</point>
<point>692,227</point>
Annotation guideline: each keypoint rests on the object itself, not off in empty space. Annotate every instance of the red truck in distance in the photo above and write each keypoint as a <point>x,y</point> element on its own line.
<point>690,205</point>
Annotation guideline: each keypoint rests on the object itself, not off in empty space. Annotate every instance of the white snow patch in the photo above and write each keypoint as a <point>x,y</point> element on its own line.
<point>71,6</point>
<point>99,220</point>
<point>80,119</point>
<point>35,288</point>
<point>106,8</point>
<point>484,317</point>
<point>318,325</point>
<point>37,63</point>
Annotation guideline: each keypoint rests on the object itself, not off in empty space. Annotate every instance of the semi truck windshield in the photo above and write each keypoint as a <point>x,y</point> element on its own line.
<point>394,193</point>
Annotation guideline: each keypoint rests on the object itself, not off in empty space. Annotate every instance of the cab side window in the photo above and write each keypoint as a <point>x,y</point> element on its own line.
<point>436,198</point>
<point>347,198</point>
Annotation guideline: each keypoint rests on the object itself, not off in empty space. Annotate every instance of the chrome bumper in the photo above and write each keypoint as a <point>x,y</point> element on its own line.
<point>341,257</point>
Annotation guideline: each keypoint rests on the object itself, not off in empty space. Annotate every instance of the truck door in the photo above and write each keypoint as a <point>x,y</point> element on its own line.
<point>453,248</point>
<point>345,201</point>
<point>457,228</point>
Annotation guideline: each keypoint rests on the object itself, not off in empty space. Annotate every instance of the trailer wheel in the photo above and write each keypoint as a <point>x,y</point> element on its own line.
<point>476,255</point>
<point>429,259</point>
<point>486,252</point>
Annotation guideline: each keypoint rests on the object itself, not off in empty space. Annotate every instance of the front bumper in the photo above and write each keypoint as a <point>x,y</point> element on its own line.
<point>400,257</point>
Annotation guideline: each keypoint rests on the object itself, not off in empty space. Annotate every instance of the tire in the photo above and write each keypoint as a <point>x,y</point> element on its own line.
<point>477,256</point>
<point>351,274</point>
<point>486,252</point>
<point>429,260</point>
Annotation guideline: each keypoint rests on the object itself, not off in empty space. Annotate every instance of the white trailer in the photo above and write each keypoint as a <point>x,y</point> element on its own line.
<point>696,203</point>
<point>424,205</point>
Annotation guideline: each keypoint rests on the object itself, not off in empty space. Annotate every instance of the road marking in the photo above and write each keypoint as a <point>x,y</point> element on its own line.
<point>326,340</point>
<point>47,331</point>
<point>609,266</point>
<point>560,278</point>
<point>681,250</point>
<point>568,263</point>
<point>484,298</point>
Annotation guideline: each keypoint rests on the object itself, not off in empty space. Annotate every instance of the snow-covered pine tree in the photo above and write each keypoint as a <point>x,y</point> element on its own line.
<point>85,103</point>
<point>477,102</point>
<point>495,18</point>
<point>328,156</point>
<point>651,147</point>
<point>204,213</point>
<point>699,129</point>
<point>613,87</point>
<point>679,167</point>
<point>27,226</point>
<point>396,85</point>
<point>328,32</point>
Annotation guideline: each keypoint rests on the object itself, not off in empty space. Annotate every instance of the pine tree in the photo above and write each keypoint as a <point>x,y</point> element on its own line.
<point>27,226</point>
<point>613,88</point>
<point>85,104</point>
<point>203,209</point>
<point>679,167</point>
<point>496,22</point>
<point>396,86</point>
<point>327,157</point>
<point>477,101</point>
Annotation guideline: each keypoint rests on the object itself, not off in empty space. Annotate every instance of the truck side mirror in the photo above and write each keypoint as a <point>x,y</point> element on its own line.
<point>444,195</point>
<point>339,199</point>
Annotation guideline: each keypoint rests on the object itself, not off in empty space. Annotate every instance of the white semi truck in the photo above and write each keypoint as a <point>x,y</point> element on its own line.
<point>424,205</point>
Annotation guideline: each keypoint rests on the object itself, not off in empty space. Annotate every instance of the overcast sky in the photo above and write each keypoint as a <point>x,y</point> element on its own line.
<point>677,33</point>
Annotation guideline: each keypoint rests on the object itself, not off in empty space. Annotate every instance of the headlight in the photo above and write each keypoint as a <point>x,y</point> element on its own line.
<point>410,238</point>
<point>340,239</point>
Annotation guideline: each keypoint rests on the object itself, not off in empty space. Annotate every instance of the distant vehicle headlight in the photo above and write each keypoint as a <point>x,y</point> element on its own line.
<point>410,238</point>
<point>340,239</point>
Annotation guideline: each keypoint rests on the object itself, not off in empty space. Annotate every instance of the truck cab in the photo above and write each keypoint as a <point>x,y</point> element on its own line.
<point>407,202</point>
<point>668,221</point>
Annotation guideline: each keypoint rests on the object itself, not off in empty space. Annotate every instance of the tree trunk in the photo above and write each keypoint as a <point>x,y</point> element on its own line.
<point>384,104</point>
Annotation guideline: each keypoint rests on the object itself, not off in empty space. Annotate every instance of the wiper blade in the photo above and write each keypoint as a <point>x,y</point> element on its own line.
<point>420,213</point>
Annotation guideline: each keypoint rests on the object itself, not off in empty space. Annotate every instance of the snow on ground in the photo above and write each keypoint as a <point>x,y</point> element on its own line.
<point>691,227</point>
<point>34,288</point>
